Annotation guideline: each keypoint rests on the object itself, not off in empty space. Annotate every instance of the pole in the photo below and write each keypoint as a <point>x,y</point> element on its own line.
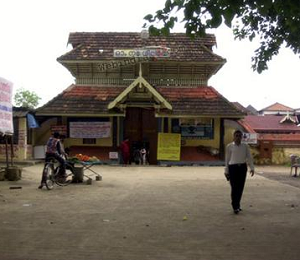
<point>6,150</point>
<point>12,155</point>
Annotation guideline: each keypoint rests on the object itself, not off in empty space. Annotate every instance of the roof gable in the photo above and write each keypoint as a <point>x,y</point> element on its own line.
<point>140,81</point>
<point>268,123</point>
<point>288,119</point>
<point>277,107</point>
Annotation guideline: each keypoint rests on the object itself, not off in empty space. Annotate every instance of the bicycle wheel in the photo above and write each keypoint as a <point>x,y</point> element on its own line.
<point>48,174</point>
<point>66,180</point>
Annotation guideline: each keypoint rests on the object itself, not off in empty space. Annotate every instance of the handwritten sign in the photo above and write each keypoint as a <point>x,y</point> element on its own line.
<point>90,129</point>
<point>6,114</point>
<point>168,147</point>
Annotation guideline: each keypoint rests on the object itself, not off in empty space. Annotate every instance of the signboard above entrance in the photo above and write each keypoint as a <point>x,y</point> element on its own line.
<point>155,51</point>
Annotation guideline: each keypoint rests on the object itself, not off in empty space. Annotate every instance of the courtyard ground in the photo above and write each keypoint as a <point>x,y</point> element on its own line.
<point>157,213</point>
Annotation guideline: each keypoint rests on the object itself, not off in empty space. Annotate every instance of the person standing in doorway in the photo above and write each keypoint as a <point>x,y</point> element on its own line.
<point>236,159</point>
<point>125,151</point>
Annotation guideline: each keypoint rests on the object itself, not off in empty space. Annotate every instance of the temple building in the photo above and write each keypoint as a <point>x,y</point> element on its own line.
<point>151,89</point>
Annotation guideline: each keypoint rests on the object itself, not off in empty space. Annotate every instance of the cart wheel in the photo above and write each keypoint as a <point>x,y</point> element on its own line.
<point>98,178</point>
<point>89,182</point>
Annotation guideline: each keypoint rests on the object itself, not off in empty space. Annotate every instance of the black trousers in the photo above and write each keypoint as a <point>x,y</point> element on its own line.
<point>237,175</point>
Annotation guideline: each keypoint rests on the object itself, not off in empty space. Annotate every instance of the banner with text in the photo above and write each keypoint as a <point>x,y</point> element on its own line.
<point>168,147</point>
<point>6,113</point>
<point>90,129</point>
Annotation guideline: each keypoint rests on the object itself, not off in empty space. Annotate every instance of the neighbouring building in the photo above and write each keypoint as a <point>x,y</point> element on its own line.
<point>276,109</point>
<point>276,136</point>
<point>19,146</point>
<point>139,86</point>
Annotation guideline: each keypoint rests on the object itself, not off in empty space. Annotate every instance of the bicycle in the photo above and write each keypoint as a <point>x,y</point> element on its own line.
<point>51,174</point>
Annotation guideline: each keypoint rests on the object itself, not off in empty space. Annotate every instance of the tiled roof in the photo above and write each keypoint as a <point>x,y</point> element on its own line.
<point>241,107</point>
<point>252,110</point>
<point>79,99</point>
<point>201,101</point>
<point>281,137</point>
<point>269,123</point>
<point>277,107</point>
<point>21,111</point>
<point>246,126</point>
<point>87,46</point>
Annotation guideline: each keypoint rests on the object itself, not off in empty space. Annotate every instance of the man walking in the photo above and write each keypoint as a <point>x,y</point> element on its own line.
<point>236,159</point>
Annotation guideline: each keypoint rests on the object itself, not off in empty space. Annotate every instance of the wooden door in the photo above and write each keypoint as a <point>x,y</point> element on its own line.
<point>140,126</point>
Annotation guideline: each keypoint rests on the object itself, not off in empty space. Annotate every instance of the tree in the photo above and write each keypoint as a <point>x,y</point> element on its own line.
<point>26,98</point>
<point>274,22</point>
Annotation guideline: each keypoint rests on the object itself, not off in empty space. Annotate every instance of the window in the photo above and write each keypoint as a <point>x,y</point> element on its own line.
<point>89,140</point>
<point>194,128</point>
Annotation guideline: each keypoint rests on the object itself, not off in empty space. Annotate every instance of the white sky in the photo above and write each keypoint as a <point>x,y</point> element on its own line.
<point>34,34</point>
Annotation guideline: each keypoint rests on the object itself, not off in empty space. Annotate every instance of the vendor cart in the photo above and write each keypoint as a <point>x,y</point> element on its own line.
<point>83,169</point>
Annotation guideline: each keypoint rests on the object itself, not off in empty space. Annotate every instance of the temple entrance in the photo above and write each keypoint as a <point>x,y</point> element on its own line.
<point>140,126</point>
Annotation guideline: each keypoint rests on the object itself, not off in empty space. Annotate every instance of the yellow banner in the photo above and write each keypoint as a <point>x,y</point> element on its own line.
<point>168,147</point>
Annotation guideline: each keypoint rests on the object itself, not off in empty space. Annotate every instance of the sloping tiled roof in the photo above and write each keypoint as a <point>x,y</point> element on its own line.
<point>277,107</point>
<point>242,108</point>
<point>21,111</point>
<point>86,46</point>
<point>81,100</point>
<point>281,137</point>
<point>201,101</point>
<point>252,110</point>
<point>268,123</point>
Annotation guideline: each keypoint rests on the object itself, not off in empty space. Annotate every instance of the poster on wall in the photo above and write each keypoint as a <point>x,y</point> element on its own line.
<point>90,129</point>
<point>250,138</point>
<point>168,147</point>
<point>6,113</point>
<point>192,131</point>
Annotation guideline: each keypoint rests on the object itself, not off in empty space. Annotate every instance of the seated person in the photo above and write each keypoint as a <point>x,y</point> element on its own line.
<point>54,150</point>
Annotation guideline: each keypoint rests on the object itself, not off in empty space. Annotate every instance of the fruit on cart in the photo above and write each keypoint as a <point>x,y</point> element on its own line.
<point>84,158</point>
<point>94,159</point>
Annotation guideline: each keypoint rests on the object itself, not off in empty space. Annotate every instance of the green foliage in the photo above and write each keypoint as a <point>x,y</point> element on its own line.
<point>26,98</point>
<point>274,22</point>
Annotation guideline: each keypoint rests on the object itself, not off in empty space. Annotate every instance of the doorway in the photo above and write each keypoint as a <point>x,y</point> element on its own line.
<point>140,126</point>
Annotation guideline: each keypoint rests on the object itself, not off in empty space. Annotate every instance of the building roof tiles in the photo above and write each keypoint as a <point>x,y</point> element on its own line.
<point>269,123</point>
<point>97,46</point>
<point>200,101</point>
<point>277,107</point>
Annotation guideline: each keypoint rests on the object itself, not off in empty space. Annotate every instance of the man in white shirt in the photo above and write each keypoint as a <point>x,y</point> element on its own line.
<point>236,159</point>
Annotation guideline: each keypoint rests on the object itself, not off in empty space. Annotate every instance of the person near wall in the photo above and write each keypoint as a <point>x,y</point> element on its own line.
<point>54,150</point>
<point>236,159</point>
<point>125,151</point>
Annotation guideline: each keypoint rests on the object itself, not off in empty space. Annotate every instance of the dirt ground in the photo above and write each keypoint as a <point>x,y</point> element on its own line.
<point>158,213</point>
<point>281,174</point>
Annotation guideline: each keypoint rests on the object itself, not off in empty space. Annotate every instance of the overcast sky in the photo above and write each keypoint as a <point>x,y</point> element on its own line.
<point>34,34</point>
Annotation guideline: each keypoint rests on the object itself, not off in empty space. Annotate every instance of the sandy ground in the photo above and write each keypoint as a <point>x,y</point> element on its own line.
<point>138,213</point>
